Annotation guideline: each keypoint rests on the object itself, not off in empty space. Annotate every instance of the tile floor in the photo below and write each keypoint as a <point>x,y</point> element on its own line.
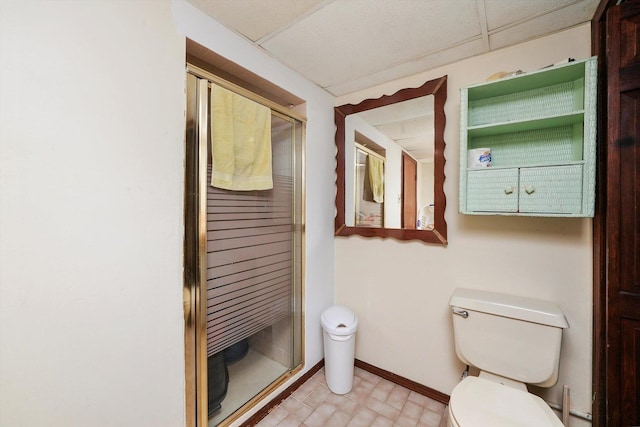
<point>373,402</point>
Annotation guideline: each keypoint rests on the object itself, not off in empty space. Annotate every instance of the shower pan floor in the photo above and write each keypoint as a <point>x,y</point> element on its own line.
<point>247,377</point>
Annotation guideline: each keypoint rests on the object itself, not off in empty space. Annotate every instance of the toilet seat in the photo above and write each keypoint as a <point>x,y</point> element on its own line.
<point>477,402</point>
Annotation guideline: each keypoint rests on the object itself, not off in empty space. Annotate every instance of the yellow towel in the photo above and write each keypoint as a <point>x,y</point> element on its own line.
<point>240,142</point>
<point>376,178</point>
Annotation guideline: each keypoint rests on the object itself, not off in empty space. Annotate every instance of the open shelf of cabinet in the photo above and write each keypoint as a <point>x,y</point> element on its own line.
<point>541,130</point>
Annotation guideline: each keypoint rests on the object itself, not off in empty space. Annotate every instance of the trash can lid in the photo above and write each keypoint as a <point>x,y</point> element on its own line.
<point>339,320</point>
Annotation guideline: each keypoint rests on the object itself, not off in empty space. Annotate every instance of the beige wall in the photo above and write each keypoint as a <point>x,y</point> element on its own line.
<point>400,290</point>
<point>91,225</point>
<point>92,98</point>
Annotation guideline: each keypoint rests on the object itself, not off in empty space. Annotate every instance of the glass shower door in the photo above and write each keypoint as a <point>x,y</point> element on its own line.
<point>249,269</point>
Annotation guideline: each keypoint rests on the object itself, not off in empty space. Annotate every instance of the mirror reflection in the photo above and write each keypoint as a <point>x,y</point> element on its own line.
<point>393,166</point>
<point>390,165</point>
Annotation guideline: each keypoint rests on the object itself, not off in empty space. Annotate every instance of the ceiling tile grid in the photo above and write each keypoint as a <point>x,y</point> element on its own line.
<point>349,45</point>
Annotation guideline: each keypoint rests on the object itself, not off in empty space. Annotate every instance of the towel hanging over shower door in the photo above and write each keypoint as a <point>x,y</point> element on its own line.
<point>240,142</point>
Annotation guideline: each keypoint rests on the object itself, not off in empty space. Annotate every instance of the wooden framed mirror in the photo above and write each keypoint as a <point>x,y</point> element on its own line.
<point>392,206</point>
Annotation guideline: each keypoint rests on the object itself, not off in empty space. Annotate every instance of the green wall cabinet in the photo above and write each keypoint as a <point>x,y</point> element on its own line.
<point>541,130</point>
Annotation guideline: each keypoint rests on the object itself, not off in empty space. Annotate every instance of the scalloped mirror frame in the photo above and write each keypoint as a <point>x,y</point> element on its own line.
<point>437,88</point>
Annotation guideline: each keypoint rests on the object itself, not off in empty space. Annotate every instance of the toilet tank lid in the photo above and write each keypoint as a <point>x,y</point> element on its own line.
<point>512,306</point>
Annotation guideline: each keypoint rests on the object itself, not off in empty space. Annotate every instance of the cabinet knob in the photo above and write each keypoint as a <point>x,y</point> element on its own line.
<point>529,189</point>
<point>508,190</point>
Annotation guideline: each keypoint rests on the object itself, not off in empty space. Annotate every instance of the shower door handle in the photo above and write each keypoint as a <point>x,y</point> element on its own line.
<point>187,306</point>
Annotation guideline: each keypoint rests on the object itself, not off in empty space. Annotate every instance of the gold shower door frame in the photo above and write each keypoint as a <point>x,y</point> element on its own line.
<point>195,247</point>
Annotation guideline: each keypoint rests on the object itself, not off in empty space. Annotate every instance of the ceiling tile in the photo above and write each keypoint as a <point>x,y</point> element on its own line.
<point>255,19</point>
<point>416,66</point>
<point>549,23</point>
<point>348,40</point>
<point>502,13</point>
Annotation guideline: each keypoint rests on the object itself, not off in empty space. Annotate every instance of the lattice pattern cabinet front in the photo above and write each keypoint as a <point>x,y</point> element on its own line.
<point>540,128</point>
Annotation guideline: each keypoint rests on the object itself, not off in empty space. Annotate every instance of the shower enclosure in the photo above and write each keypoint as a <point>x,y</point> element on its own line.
<point>243,266</point>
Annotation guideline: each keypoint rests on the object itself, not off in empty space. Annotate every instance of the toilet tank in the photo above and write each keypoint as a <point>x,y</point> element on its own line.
<point>508,335</point>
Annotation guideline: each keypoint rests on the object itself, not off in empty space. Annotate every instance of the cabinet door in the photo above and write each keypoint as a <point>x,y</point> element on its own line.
<point>551,189</point>
<point>492,190</point>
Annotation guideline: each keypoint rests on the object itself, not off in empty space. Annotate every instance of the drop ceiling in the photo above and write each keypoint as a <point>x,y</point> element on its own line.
<point>347,45</point>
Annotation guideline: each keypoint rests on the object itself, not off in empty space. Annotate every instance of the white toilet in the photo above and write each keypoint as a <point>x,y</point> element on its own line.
<point>513,341</point>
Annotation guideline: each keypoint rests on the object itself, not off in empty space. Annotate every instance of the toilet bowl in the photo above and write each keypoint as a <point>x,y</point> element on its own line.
<point>513,341</point>
<point>477,402</point>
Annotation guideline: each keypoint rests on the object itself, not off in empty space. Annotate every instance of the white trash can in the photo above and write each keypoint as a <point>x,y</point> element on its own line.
<point>339,326</point>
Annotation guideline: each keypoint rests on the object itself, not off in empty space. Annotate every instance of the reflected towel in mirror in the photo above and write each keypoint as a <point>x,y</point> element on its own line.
<point>376,178</point>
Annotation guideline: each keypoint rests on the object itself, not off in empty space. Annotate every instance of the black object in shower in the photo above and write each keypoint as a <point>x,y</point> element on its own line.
<point>236,352</point>
<point>217,382</point>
